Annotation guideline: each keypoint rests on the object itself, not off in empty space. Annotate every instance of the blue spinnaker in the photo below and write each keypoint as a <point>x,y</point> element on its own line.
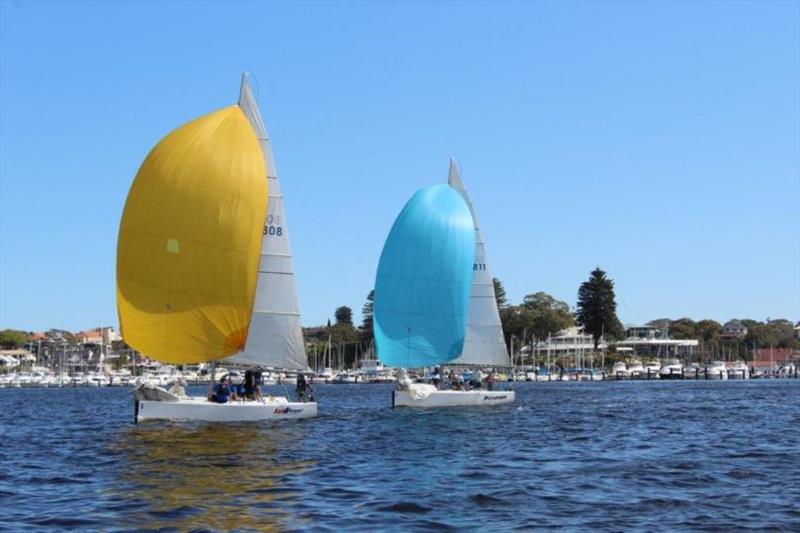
<point>423,283</point>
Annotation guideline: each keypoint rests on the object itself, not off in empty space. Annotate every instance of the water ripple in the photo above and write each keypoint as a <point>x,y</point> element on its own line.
<point>602,456</point>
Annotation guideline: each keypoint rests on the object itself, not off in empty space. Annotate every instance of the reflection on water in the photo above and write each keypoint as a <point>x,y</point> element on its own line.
<point>218,476</point>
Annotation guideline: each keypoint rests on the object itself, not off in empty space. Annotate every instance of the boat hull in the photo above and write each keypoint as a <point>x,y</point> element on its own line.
<point>452,398</point>
<point>198,408</point>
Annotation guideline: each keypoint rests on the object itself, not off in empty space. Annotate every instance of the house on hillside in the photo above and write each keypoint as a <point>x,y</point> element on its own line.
<point>105,335</point>
<point>644,332</point>
<point>733,330</point>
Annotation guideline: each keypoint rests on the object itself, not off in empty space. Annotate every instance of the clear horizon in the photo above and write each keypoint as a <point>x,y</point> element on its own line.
<point>659,141</point>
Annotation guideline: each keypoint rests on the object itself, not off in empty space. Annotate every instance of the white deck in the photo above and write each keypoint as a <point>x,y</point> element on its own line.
<point>452,398</point>
<point>199,408</point>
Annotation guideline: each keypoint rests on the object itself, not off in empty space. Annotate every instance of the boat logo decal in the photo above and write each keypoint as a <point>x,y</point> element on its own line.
<point>286,410</point>
<point>503,397</point>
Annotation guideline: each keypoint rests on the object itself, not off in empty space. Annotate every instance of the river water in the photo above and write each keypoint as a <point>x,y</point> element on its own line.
<point>606,456</point>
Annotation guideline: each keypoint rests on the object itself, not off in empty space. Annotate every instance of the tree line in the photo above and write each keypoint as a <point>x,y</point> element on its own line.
<point>538,316</point>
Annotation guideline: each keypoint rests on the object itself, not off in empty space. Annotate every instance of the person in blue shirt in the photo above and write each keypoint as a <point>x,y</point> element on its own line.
<point>221,392</point>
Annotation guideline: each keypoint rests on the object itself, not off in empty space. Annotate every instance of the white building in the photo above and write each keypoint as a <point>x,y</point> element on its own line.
<point>654,347</point>
<point>567,342</point>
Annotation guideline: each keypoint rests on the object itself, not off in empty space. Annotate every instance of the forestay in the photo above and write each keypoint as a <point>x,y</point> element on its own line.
<point>423,280</point>
<point>275,336</point>
<point>483,341</point>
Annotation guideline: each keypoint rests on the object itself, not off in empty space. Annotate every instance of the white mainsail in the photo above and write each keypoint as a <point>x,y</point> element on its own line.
<point>275,335</point>
<point>483,342</point>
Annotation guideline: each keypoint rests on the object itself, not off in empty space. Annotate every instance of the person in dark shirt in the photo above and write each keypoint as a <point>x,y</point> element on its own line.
<point>251,389</point>
<point>303,389</point>
<point>436,377</point>
<point>222,390</point>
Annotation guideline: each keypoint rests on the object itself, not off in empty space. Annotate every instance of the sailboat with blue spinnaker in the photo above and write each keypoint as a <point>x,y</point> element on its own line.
<point>423,292</point>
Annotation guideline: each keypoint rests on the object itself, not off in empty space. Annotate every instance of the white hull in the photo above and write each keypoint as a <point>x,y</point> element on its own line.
<point>739,372</point>
<point>452,398</point>
<point>199,408</point>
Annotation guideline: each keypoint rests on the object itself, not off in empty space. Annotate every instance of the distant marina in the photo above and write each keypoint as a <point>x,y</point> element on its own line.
<point>101,360</point>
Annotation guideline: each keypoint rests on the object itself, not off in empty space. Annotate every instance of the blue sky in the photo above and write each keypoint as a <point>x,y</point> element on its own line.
<point>660,141</point>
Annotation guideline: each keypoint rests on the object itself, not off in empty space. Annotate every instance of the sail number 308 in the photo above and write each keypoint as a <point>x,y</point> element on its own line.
<point>272,227</point>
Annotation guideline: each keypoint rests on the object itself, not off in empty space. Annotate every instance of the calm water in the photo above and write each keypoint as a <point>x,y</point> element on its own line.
<point>612,456</point>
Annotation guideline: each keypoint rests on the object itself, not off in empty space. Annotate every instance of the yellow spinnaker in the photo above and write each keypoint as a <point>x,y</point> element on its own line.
<point>190,240</point>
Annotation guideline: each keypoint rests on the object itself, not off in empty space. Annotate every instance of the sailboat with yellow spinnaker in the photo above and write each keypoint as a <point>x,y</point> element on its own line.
<point>189,258</point>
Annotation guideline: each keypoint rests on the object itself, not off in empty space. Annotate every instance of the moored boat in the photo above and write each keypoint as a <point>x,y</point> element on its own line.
<point>739,370</point>
<point>716,370</point>
<point>636,369</point>
<point>620,370</point>
<point>671,369</point>
<point>652,369</point>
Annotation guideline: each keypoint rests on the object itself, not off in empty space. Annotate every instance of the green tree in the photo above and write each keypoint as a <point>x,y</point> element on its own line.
<point>708,330</point>
<point>539,315</point>
<point>12,338</point>
<point>516,320</point>
<point>783,330</point>
<point>121,362</point>
<point>597,308</point>
<point>683,328</point>
<point>661,324</point>
<point>344,315</point>
<point>778,333</point>
<point>343,332</point>
<point>499,294</point>
<point>547,315</point>
<point>366,318</point>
